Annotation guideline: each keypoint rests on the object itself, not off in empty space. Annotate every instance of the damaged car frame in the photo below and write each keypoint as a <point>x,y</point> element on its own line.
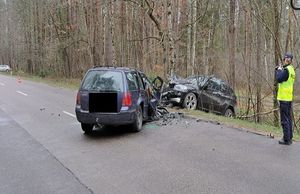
<point>114,96</point>
<point>207,93</point>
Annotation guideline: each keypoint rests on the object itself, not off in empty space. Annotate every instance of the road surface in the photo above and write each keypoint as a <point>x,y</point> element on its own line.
<point>44,151</point>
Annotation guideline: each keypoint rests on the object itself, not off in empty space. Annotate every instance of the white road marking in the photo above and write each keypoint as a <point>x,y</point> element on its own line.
<point>22,93</point>
<point>2,84</point>
<point>70,114</point>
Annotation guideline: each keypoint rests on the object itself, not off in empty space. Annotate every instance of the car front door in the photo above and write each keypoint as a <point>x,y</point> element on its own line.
<point>205,97</point>
<point>143,95</point>
<point>210,95</point>
<point>200,83</point>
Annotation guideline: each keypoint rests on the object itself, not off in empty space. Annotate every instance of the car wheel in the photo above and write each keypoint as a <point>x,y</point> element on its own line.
<point>229,113</point>
<point>138,123</point>
<point>190,101</point>
<point>87,128</point>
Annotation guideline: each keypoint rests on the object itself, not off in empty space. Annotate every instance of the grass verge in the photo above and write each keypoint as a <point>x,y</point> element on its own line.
<point>262,129</point>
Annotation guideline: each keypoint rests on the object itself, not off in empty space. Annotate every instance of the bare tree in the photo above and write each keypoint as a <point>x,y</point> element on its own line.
<point>258,77</point>
<point>232,43</point>
<point>277,52</point>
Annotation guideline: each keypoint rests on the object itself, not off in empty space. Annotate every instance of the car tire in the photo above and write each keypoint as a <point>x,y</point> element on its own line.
<point>229,113</point>
<point>190,101</point>
<point>87,128</point>
<point>138,122</point>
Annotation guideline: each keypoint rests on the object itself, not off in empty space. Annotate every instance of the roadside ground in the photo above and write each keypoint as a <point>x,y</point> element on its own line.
<point>251,127</point>
<point>248,126</point>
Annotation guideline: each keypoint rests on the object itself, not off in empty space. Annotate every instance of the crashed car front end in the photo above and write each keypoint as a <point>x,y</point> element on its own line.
<point>206,93</point>
<point>177,94</point>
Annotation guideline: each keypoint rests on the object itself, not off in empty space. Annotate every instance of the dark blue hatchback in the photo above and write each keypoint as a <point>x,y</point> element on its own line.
<point>112,96</point>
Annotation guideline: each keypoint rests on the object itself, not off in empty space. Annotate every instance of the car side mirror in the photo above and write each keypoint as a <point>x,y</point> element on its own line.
<point>295,4</point>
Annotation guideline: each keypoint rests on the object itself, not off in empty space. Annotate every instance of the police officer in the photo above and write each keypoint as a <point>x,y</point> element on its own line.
<point>285,76</point>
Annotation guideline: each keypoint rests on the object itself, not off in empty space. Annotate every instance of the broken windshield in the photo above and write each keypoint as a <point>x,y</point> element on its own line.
<point>197,80</point>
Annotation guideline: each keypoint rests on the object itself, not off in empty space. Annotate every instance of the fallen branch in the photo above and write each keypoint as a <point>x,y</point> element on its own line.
<point>264,113</point>
<point>257,114</point>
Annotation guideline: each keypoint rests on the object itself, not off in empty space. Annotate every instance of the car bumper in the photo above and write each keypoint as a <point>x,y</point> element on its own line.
<point>176,100</point>
<point>121,118</point>
<point>176,96</point>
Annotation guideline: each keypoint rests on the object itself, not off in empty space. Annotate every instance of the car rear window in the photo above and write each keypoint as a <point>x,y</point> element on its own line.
<point>102,80</point>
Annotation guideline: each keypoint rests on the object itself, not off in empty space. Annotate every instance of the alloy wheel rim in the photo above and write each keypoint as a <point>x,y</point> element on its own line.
<point>191,101</point>
<point>229,113</point>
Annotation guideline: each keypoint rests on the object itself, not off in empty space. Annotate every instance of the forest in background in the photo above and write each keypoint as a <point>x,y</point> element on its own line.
<point>240,41</point>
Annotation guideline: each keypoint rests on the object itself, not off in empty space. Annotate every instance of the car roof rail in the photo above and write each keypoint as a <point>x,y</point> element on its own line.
<point>102,66</point>
<point>113,67</point>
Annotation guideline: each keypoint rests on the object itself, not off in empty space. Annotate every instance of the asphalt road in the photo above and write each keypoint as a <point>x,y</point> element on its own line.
<point>44,151</point>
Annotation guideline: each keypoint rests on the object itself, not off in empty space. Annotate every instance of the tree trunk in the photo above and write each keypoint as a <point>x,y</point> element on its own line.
<point>189,67</point>
<point>288,35</point>
<point>248,53</point>
<point>276,57</point>
<point>194,33</point>
<point>232,43</point>
<point>171,45</point>
<point>258,73</point>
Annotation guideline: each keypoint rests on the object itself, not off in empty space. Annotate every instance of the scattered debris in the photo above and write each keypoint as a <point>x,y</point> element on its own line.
<point>42,109</point>
<point>213,122</point>
<point>168,118</point>
<point>187,124</point>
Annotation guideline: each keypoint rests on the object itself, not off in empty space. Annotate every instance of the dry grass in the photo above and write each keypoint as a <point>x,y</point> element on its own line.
<point>262,129</point>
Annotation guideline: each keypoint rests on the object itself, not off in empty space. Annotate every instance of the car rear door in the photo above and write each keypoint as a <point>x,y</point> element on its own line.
<point>133,86</point>
<point>137,91</point>
<point>226,98</point>
<point>144,97</point>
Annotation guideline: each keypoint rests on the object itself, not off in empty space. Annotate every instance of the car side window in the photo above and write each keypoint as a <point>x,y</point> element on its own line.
<point>132,81</point>
<point>146,82</point>
<point>140,82</point>
<point>228,90</point>
<point>213,86</point>
<point>224,89</point>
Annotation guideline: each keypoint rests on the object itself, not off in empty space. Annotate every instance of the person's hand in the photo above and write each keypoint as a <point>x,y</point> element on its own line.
<point>279,67</point>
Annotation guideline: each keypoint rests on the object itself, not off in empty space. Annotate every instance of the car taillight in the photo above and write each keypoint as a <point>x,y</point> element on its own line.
<point>127,99</point>
<point>78,98</point>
